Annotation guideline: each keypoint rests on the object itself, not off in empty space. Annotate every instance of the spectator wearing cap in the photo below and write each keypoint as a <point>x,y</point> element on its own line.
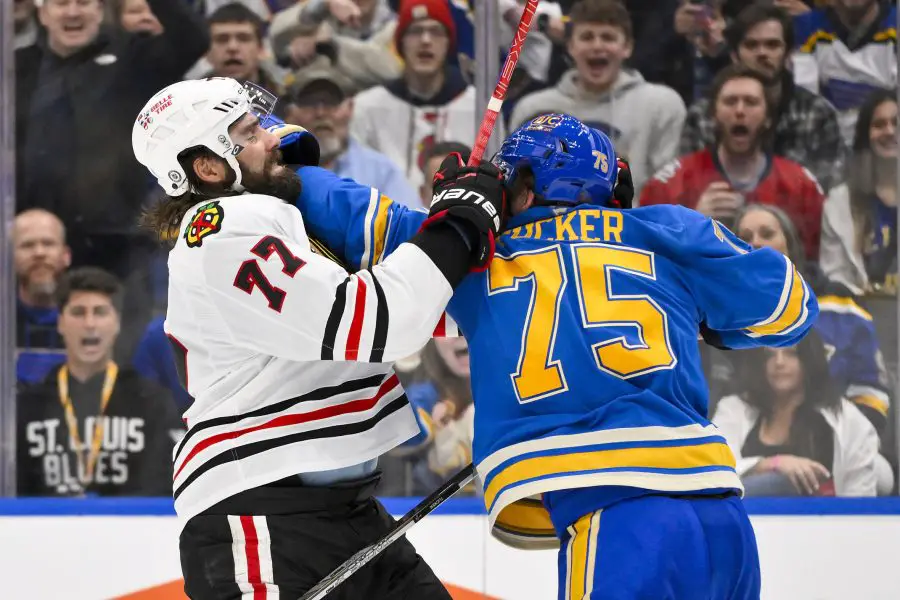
<point>643,119</point>
<point>806,126</point>
<point>357,37</point>
<point>429,103</point>
<point>236,46</point>
<point>320,100</point>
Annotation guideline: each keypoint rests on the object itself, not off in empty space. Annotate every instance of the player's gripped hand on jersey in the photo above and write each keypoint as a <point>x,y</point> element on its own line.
<point>804,473</point>
<point>298,146</point>
<point>719,201</point>
<point>473,195</point>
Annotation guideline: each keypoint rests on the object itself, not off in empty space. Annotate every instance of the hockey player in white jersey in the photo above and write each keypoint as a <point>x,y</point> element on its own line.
<point>286,354</point>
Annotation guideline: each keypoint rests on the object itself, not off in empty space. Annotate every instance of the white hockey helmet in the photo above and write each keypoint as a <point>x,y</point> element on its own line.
<point>194,113</point>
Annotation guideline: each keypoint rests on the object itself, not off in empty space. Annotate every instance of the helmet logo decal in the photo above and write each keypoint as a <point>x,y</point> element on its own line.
<point>175,176</point>
<point>545,122</point>
<point>161,104</point>
<point>205,222</point>
<point>144,119</point>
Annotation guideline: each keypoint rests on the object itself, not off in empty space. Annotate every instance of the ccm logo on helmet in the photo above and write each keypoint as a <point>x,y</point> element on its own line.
<point>476,199</point>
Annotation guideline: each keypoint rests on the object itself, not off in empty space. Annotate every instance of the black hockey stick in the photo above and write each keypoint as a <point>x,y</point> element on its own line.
<point>358,560</point>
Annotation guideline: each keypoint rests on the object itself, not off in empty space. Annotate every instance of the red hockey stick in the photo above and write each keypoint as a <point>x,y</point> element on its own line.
<point>496,101</point>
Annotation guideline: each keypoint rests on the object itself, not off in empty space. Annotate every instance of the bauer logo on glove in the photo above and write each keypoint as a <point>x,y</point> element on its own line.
<point>472,197</point>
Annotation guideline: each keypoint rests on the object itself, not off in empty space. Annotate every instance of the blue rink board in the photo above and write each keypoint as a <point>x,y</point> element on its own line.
<point>398,506</point>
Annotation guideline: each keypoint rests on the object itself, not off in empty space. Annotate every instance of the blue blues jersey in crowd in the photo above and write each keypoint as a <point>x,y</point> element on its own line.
<point>842,65</point>
<point>855,360</point>
<point>583,344</point>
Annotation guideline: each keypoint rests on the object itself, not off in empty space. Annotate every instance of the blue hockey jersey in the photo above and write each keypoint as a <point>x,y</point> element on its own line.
<point>583,342</point>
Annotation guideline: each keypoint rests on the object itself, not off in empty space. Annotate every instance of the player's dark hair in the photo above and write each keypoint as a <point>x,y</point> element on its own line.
<point>442,149</point>
<point>164,217</point>
<point>237,13</point>
<point>861,168</point>
<point>819,388</point>
<point>795,250</point>
<point>752,16</point>
<point>600,12</point>
<point>89,279</point>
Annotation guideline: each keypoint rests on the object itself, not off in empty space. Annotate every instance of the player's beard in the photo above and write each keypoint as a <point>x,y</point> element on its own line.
<point>274,180</point>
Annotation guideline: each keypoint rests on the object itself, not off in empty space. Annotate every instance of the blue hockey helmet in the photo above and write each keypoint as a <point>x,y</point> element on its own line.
<point>571,162</point>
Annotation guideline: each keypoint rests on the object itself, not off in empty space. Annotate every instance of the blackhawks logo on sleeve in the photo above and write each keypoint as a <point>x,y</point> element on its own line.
<point>205,222</point>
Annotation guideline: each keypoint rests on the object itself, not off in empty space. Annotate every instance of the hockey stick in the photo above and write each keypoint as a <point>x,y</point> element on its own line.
<point>358,560</point>
<point>496,101</point>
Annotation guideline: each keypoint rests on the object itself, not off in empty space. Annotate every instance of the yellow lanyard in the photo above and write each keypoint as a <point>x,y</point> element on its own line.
<point>62,378</point>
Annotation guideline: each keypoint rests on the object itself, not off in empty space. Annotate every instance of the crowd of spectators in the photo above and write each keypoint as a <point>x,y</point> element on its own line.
<point>776,117</point>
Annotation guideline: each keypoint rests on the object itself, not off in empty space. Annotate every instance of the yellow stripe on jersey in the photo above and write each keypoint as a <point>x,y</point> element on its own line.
<point>818,36</point>
<point>872,402</point>
<point>581,554</point>
<point>885,35</point>
<point>717,229</point>
<point>843,305</point>
<point>788,312</point>
<point>381,227</point>
<point>714,454</point>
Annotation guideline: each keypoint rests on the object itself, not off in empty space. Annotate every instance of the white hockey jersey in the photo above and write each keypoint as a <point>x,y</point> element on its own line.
<point>287,356</point>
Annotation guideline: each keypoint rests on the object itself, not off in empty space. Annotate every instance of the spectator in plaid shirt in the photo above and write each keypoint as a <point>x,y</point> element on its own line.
<point>806,128</point>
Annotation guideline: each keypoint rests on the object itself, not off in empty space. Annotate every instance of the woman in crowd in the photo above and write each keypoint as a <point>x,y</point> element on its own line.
<point>859,225</point>
<point>444,394</point>
<point>859,222</point>
<point>791,431</point>
<point>856,366</point>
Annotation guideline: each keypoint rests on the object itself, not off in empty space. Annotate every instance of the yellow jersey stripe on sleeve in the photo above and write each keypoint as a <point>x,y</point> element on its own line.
<point>876,404</point>
<point>382,214</point>
<point>788,313</point>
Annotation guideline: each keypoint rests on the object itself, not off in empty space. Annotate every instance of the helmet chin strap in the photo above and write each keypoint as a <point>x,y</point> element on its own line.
<point>236,169</point>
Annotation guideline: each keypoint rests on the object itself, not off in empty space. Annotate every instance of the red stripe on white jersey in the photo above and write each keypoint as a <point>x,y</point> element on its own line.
<point>441,325</point>
<point>251,550</point>
<point>359,311</point>
<point>446,327</point>
<point>360,405</point>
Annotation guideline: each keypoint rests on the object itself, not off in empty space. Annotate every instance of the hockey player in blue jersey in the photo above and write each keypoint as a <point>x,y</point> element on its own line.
<point>590,420</point>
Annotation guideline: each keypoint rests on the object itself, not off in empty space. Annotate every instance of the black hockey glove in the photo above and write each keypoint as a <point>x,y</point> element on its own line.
<point>474,195</point>
<point>623,193</point>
